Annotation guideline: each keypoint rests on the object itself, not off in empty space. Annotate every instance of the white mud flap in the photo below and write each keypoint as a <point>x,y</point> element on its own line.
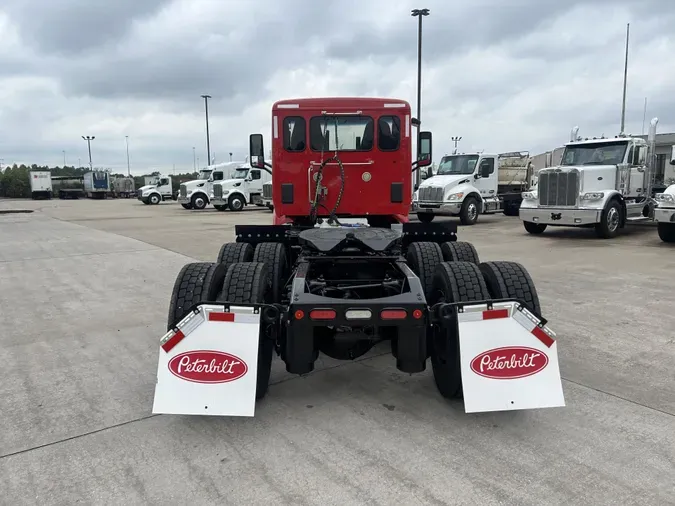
<point>509,361</point>
<point>210,365</point>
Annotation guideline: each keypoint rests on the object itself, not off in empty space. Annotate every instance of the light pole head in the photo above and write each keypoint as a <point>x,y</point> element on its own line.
<point>419,12</point>
<point>206,96</point>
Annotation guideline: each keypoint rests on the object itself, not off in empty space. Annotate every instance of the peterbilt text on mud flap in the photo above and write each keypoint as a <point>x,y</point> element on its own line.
<point>310,284</point>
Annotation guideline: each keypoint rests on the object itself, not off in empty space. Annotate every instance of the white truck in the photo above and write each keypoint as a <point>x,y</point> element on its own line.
<point>40,184</point>
<point>244,188</point>
<point>97,184</point>
<point>197,194</point>
<point>157,189</point>
<point>664,212</point>
<point>600,182</point>
<point>470,184</point>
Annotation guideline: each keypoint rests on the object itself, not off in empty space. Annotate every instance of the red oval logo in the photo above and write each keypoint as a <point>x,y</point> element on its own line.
<point>509,362</point>
<point>207,366</point>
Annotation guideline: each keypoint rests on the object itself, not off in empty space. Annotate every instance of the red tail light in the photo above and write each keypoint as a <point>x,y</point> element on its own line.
<point>417,314</point>
<point>299,314</point>
<point>393,314</point>
<point>322,314</point>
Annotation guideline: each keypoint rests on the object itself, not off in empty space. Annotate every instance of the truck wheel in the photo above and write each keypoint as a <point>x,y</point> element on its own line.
<point>154,199</point>
<point>459,251</point>
<point>187,206</point>
<point>196,282</point>
<point>423,257</point>
<point>468,215</point>
<point>274,255</point>
<point>666,231</point>
<point>235,252</point>
<point>248,283</point>
<point>198,202</point>
<point>510,280</point>
<point>534,228</point>
<point>236,203</point>
<point>426,217</point>
<point>452,282</point>
<point>610,221</point>
<point>221,208</point>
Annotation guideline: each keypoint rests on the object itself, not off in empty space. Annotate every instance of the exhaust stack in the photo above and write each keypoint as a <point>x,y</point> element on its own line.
<point>573,134</point>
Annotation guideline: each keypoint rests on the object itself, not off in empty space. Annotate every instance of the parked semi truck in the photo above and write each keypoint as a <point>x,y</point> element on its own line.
<point>470,184</point>
<point>664,213</point>
<point>97,184</point>
<point>157,189</point>
<point>197,194</point>
<point>600,182</point>
<point>40,184</point>
<point>244,188</point>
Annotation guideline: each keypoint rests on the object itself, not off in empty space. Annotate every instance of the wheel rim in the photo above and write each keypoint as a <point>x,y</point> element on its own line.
<point>154,199</point>
<point>236,203</point>
<point>612,219</point>
<point>472,211</point>
<point>199,202</point>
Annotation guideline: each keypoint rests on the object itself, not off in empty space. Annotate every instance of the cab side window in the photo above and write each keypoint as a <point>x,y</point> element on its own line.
<point>294,134</point>
<point>489,163</point>
<point>388,133</point>
<point>255,174</point>
<point>218,176</point>
<point>164,181</point>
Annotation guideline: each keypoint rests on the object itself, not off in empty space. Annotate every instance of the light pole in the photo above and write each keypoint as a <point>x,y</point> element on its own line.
<point>194,159</point>
<point>64,158</point>
<point>208,140</point>
<point>419,13</point>
<point>89,139</point>
<point>625,78</point>
<point>230,156</point>
<point>455,139</point>
<point>126,140</point>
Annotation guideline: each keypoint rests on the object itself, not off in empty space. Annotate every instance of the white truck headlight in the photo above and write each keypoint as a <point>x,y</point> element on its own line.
<point>528,196</point>
<point>593,196</point>
<point>666,198</point>
<point>455,196</point>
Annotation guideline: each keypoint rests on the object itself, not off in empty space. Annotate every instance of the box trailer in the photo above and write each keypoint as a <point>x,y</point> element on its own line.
<point>96,184</point>
<point>40,184</point>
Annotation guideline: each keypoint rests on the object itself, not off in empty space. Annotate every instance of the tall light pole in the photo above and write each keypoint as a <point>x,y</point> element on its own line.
<point>64,158</point>
<point>208,140</point>
<point>419,13</point>
<point>230,156</point>
<point>126,140</point>
<point>456,140</point>
<point>89,139</point>
<point>194,159</point>
<point>625,78</point>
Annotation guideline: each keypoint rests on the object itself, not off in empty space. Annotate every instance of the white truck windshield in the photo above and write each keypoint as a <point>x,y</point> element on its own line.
<point>240,174</point>
<point>457,164</point>
<point>204,174</point>
<point>606,153</point>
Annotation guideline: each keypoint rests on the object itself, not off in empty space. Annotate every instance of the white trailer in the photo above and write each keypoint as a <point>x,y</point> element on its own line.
<point>664,213</point>
<point>157,189</point>
<point>601,182</point>
<point>470,184</point>
<point>197,194</point>
<point>96,184</point>
<point>244,188</point>
<point>40,184</point>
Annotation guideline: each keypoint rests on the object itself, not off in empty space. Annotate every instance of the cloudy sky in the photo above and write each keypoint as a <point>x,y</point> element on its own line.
<point>506,75</point>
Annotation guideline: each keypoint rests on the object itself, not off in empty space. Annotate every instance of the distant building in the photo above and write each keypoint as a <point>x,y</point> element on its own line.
<point>665,173</point>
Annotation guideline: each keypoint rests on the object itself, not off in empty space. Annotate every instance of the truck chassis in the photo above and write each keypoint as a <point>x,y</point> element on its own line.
<point>341,291</point>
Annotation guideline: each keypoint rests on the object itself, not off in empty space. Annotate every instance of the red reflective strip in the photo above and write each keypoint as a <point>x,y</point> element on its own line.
<point>221,317</point>
<point>543,336</point>
<point>177,338</point>
<point>493,314</point>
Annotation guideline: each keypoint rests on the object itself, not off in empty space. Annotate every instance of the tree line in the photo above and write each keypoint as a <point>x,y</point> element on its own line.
<point>15,179</point>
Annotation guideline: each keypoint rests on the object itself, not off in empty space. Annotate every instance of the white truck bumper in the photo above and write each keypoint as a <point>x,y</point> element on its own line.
<point>219,201</point>
<point>183,200</point>
<point>664,215</point>
<point>446,208</point>
<point>567,217</point>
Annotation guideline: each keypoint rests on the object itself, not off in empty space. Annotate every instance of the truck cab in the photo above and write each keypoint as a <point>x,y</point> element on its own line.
<point>159,189</point>
<point>664,213</point>
<point>470,184</point>
<point>600,182</point>
<point>244,188</point>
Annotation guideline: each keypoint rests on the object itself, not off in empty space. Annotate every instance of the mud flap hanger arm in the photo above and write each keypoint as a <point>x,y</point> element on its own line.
<point>448,311</point>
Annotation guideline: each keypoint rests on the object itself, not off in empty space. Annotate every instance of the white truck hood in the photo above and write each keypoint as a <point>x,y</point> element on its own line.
<point>148,187</point>
<point>446,181</point>
<point>194,183</point>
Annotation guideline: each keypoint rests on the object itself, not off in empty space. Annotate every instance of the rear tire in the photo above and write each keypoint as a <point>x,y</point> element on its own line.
<point>248,283</point>
<point>534,228</point>
<point>274,255</point>
<point>666,231</point>
<point>452,282</point>
<point>426,217</point>
<point>196,282</point>
<point>234,252</point>
<point>510,280</point>
<point>423,257</point>
<point>459,251</point>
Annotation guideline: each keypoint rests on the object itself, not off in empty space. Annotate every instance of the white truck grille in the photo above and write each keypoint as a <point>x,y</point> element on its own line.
<point>183,190</point>
<point>267,191</point>
<point>217,191</point>
<point>431,194</point>
<point>558,188</point>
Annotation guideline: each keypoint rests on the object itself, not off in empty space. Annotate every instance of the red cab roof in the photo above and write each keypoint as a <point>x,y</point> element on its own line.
<point>364,102</point>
